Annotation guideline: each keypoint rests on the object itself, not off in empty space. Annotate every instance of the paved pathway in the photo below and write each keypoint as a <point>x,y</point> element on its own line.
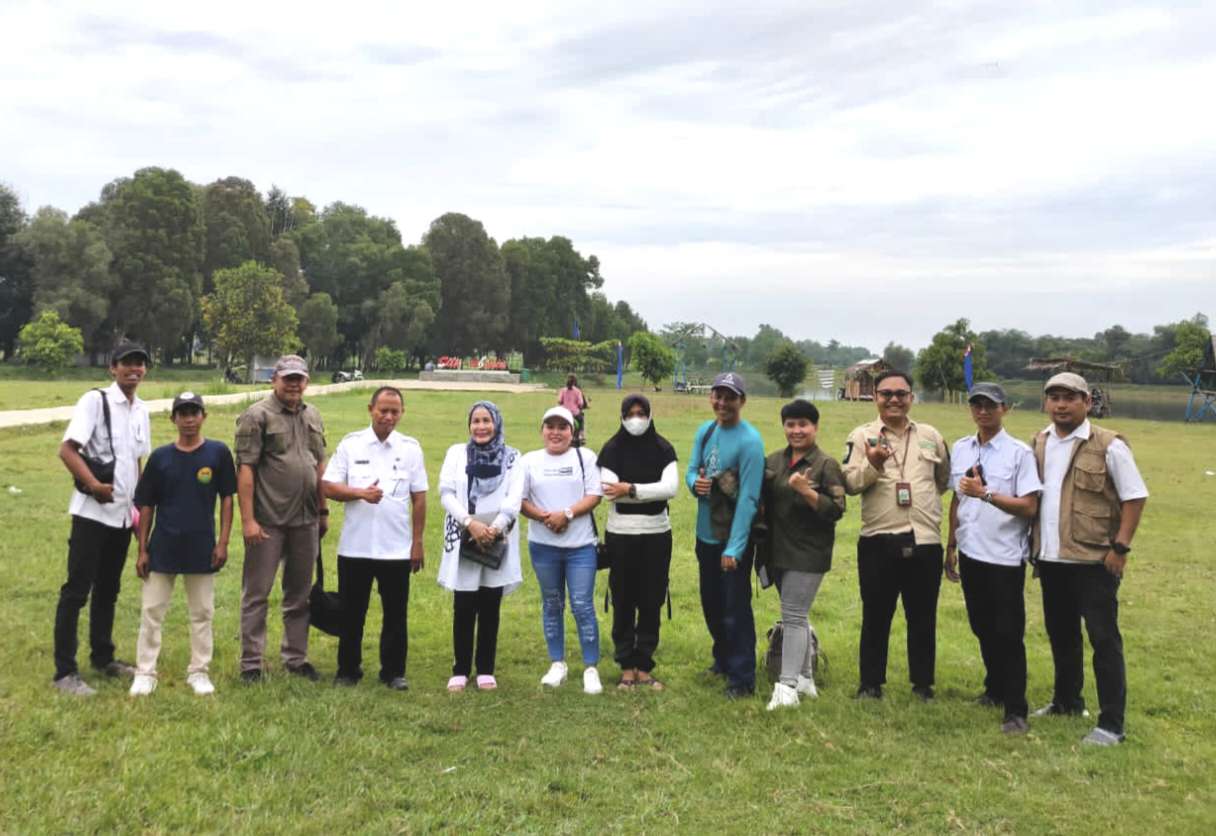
<point>27,417</point>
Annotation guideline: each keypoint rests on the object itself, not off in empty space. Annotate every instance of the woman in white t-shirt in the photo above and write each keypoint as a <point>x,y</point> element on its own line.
<point>479,477</point>
<point>561,490</point>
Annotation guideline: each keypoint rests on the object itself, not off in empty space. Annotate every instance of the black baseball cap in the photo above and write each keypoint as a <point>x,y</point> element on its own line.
<point>992,391</point>
<point>126,348</point>
<point>187,399</point>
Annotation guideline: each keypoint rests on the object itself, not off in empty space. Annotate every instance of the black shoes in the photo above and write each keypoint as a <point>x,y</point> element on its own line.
<point>307,671</point>
<point>868,692</point>
<point>925,692</point>
<point>252,677</point>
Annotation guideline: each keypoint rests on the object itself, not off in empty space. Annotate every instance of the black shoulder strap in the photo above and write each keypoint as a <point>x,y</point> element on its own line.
<point>105,411</point>
<point>583,470</point>
<point>705,442</point>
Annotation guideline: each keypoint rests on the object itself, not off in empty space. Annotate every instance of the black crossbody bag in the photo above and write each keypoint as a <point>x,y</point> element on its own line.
<point>603,559</point>
<point>103,471</point>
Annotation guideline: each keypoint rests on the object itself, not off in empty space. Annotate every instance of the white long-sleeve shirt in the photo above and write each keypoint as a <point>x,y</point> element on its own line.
<point>661,491</point>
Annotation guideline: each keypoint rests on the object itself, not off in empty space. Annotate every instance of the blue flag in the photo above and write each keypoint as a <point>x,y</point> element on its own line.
<point>577,333</point>
<point>620,363</point>
<point>968,375</point>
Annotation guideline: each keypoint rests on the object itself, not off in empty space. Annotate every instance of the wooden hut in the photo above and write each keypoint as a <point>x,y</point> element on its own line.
<point>859,379</point>
<point>1094,373</point>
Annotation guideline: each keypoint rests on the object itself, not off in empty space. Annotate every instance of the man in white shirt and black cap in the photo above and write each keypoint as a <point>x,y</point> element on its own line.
<point>102,448</point>
<point>1093,497</point>
<point>996,495</point>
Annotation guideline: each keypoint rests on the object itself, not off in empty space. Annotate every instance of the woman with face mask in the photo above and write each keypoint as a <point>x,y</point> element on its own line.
<point>640,474</point>
<point>480,486</point>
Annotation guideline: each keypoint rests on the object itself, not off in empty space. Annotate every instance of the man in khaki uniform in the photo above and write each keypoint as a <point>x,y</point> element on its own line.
<point>900,468</point>
<point>280,456</point>
<point>1093,496</point>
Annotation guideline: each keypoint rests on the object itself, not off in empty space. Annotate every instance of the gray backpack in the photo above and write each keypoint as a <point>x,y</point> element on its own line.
<point>772,657</point>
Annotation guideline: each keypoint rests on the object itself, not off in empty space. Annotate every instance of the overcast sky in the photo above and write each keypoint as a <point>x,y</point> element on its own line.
<point>857,171</point>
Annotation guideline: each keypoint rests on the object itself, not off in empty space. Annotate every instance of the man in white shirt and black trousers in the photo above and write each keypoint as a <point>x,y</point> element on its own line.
<point>996,495</point>
<point>380,476</point>
<point>102,514</point>
<point>1093,497</point>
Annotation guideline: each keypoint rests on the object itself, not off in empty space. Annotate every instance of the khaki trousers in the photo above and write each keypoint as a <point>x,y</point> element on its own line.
<point>200,599</point>
<point>296,548</point>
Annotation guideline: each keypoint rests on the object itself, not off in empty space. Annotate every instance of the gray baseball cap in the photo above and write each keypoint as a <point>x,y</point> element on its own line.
<point>991,391</point>
<point>1067,380</point>
<point>732,381</point>
<point>290,364</point>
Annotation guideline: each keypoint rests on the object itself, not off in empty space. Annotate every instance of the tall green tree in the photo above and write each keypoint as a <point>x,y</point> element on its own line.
<point>1191,339</point>
<point>403,321</point>
<point>154,228</point>
<point>653,359</point>
<point>16,277</point>
<point>319,326</point>
<point>898,357</point>
<point>247,315</point>
<point>285,257</point>
<point>552,287</point>
<point>71,271</point>
<point>476,293</point>
<point>786,366</point>
<point>940,365</point>
<point>238,226</point>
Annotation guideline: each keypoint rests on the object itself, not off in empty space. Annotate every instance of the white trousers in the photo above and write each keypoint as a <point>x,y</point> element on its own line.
<point>200,599</point>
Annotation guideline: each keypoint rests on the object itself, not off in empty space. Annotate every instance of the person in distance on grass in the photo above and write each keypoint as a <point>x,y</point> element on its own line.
<point>108,425</point>
<point>380,476</point>
<point>575,400</point>
<point>725,472</point>
<point>996,495</point>
<point>177,492</point>
<point>561,490</point>
<point>804,496</point>
<point>481,487</point>
<point>1093,496</point>
<point>280,456</point>
<point>640,474</point>
<point>900,468</point>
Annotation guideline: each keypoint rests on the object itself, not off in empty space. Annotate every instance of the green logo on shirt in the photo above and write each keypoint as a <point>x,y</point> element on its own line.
<point>204,475</point>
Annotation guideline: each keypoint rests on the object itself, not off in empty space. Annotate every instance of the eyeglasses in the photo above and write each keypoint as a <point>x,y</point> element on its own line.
<point>894,394</point>
<point>985,406</point>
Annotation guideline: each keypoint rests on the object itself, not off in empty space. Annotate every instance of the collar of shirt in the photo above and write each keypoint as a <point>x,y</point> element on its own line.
<point>369,437</point>
<point>283,408</point>
<point>1082,432</point>
<point>115,395</point>
<point>806,459</point>
<point>878,426</point>
<point>997,442</point>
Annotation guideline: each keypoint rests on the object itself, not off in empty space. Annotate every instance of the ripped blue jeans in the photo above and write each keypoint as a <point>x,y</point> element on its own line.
<point>557,569</point>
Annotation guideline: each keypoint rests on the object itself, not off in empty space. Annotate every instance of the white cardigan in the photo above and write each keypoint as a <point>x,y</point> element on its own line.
<point>464,575</point>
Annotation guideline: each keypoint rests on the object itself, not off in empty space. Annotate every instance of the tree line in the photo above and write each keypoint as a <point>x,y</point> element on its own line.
<point>181,266</point>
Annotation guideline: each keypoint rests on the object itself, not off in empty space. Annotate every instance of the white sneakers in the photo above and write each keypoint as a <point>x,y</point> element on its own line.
<point>806,687</point>
<point>556,675</point>
<point>142,685</point>
<point>201,683</point>
<point>783,697</point>
<point>558,672</point>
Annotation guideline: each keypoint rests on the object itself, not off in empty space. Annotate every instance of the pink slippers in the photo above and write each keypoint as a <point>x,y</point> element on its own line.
<point>456,684</point>
<point>486,683</point>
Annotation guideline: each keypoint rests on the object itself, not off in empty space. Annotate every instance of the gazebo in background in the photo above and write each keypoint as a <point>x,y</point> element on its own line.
<point>859,379</point>
<point>1203,386</point>
<point>1100,400</point>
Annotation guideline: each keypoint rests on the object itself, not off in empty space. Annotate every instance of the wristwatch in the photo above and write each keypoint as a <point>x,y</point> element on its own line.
<point>633,491</point>
<point>988,497</point>
<point>569,514</point>
<point>1120,549</point>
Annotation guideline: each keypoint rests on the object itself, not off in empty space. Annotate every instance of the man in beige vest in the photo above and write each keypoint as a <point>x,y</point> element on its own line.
<point>1093,497</point>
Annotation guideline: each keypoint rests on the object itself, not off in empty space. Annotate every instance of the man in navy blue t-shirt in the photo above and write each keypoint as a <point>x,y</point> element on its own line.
<point>177,492</point>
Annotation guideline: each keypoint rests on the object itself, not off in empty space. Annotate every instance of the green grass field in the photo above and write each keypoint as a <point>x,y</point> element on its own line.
<point>290,756</point>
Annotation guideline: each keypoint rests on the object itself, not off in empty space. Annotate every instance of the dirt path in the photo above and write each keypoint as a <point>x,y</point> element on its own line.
<point>28,417</point>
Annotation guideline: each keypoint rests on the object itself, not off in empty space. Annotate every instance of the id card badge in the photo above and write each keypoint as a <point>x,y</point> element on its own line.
<point>903,494</point>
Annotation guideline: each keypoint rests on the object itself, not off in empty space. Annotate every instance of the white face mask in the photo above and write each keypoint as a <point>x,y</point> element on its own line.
<point>636,425</point>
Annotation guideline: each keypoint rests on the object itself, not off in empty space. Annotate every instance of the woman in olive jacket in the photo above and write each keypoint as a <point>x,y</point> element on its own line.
<point>803,498</point>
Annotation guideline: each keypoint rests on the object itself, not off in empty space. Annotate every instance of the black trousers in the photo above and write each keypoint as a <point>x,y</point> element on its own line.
<point>1072,592</point>
<point>392,577</point>
<point>638,580</point>
<point>885,577</point>
<point>476,610</point>
<point>726,603</point>
<point>996,608</point>
<point>96,556</point>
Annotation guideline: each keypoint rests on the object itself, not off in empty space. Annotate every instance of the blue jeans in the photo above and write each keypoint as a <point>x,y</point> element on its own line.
<point>726,602</point>
<point>556,569</point>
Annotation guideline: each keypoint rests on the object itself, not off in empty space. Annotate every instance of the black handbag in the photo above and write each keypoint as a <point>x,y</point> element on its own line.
<point>324,608</point>
<point>603,557</point>
<point>103,471</point>
<point>490,556</point>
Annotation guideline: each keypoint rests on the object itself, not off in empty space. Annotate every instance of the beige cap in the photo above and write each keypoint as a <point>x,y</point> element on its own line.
<point>1067,380</point>
<point>290,364</point>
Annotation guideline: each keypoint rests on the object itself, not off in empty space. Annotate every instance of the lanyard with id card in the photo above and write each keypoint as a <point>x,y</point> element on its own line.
<point>903,488</point>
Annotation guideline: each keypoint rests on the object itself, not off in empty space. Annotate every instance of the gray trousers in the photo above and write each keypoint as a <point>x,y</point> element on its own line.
<point>798,591</point>
<point>296,548</point>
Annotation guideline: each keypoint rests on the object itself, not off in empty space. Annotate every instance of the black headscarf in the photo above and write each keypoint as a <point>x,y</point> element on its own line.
<point>638,459</point>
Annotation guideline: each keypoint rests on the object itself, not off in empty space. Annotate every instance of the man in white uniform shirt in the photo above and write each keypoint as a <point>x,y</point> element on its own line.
<point>996,494</point>
<point>379,474</point>
<point>1093,497</point>
<point>108,426</point>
